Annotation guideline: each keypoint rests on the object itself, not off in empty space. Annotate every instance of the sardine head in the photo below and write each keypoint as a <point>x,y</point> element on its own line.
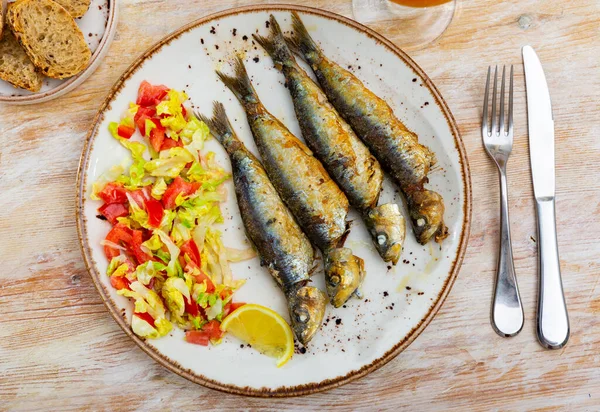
<point>307,309</point>
<point>344,274</point>
<point>427,215</point>
<point>388,229</point>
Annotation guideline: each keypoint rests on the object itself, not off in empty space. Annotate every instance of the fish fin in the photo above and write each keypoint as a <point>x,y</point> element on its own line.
<point>301,40</point>
<point>240,83</point>
<point>219,126</point>
<point>275,44</point>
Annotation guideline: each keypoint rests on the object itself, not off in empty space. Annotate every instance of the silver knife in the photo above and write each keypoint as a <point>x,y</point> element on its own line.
<point>552,317</point>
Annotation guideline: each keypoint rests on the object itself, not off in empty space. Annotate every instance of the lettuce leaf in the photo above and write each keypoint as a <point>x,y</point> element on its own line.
<point>170,162</point>
<point>172,267</point>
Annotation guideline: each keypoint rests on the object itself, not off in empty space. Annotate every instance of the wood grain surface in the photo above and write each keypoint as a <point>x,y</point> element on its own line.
<point>60,349</point>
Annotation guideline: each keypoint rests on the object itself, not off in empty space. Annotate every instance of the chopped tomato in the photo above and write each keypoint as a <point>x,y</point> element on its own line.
<point>235,305</point>
<point>136,248</point>
<point>111,211</point>
<point>197,337</point>
<point>120,235</point>
<point>145,316</point>
<point>155,212</point>
<point>225,293</point>
<point>141,196</point>
<point>125,131</point>
<point>113,193</point>
<point>157,136</point>
<point>190,248</point>
<point>175,188</point>
<point>213,328</point>
<point>119,282</point>
<point>149,95</point>
<point>183,111</point>
<point>230,307</point>
<point>143,114</point>
<point>169,143</point>
<point>191,307</point>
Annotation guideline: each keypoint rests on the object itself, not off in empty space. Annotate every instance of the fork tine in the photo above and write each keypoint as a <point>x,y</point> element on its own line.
<point>502,101</point>
<point>484,120</point>
<point>494,95</point>
<point>510,104</point>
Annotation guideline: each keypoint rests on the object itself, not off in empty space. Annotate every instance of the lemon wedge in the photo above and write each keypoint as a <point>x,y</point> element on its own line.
<point>263,329</point>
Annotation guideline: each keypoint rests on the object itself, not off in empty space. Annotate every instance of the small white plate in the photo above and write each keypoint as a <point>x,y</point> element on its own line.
<point>98,26</point>
<point>398,301</point>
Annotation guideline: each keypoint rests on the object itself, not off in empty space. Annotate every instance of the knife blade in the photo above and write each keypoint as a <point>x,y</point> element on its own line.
<point>541,126</point>
<point>552,317</point>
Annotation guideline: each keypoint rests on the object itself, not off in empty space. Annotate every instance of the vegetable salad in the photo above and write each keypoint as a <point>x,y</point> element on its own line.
<point>163,250</point>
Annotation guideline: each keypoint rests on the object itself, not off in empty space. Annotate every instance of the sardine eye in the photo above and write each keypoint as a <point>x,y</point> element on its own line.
<point>381,239</point>
<point>301,315</point>
<point>335,280</point>
<point>420,222</point>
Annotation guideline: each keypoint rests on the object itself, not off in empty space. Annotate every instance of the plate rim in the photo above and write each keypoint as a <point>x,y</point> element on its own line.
<point>75,81</point>
<point>283,391</point>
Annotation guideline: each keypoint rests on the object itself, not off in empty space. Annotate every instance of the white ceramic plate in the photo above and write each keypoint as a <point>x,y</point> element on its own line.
<point>98,26</point>
<point>399,302</point>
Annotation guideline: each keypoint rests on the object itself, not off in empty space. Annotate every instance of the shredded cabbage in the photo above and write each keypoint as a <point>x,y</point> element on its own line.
<point>173,251</point>
<point>138,214</point>
<point>174,291</point>
<point>146,271</point>
<point>170,162</point>
<point>239,255</point>
<point>159,188</point>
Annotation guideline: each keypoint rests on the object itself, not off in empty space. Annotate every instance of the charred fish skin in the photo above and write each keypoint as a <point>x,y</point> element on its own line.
<point>333,141</point>
<point>314,199</point>
<point>282,246</point>
<point>373,120</point>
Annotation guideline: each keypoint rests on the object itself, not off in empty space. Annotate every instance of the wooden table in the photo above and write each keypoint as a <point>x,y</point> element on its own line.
<point>60,349</point>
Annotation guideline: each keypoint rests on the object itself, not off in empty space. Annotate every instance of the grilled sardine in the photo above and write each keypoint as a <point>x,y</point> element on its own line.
<point>334,143</point>
<point>314,199</point>
<point>396,147</point>
<point>282,246</point>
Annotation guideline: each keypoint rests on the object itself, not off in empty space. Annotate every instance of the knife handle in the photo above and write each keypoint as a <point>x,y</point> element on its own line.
<point>552,317</point>
<point>507,310</point>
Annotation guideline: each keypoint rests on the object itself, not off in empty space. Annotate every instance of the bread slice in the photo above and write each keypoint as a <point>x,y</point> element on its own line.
<point>76,8</point>
<point>15,66</point>
<point>50,37</point>
<point>1,17</point>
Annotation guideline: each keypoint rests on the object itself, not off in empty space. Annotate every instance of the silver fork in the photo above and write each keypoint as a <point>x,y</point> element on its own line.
<point>507,311</point>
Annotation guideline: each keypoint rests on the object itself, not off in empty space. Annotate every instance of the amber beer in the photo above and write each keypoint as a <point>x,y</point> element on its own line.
<point>420,3</point>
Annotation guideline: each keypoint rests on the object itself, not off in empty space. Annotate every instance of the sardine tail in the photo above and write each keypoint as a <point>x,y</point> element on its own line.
<point>240,83</point>
<point>300,41</point>
<point>275,44</point>
<point>219,125</point>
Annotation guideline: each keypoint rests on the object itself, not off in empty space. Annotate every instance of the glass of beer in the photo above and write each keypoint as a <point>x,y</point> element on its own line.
<point>412,24</point>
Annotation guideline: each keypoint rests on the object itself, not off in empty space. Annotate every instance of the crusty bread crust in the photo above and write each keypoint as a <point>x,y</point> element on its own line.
<point>50,37</point>
<point>15,66</point>
<point>76,8</point>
